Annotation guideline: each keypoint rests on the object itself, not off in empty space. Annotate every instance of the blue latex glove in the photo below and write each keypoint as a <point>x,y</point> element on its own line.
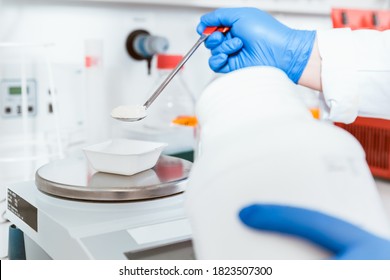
<point>345,240</point>
<point>256,39</point>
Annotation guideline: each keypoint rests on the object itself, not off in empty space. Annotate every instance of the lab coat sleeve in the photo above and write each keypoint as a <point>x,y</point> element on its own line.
<point>355,73</point>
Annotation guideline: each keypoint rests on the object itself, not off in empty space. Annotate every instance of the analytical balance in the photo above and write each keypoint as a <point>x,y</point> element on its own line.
<point>74,212</point>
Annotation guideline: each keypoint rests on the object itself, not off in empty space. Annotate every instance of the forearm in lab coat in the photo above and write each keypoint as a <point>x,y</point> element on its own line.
<point>355,73</point>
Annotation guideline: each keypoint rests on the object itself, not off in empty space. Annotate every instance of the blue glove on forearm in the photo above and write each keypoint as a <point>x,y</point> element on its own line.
<point>256,39</point>
<point>345,240</point>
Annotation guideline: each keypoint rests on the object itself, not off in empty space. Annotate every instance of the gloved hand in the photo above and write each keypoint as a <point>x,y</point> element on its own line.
<point>345,240</point>
<point>256,39</point>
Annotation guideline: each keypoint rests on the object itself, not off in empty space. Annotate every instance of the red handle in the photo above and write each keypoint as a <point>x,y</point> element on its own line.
<point>211,29</point>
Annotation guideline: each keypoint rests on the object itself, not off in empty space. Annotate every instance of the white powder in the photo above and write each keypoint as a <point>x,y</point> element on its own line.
<point>129,112</point>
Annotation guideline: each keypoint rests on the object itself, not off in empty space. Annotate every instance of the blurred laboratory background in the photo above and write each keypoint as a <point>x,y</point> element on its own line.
<point>65,64</point>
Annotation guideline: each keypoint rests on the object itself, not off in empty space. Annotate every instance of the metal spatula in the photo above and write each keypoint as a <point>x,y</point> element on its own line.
<point>138,112</point>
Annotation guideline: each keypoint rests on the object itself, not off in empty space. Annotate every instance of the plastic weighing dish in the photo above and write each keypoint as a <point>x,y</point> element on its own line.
<point>124,156</point>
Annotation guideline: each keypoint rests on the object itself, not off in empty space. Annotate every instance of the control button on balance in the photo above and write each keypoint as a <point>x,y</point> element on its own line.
<point>8,110</point>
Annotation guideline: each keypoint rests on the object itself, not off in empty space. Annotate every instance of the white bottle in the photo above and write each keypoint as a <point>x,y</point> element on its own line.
<point>260,144</point>
<point>97,114</point>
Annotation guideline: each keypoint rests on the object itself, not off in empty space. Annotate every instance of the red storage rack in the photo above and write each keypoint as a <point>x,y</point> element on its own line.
<point>361,19</point>
<point>373,134</point>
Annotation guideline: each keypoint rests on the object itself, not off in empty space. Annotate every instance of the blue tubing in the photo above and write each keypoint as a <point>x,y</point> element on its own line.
<point>16,249</point>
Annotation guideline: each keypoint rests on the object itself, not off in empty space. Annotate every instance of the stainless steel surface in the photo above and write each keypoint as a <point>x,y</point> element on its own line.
<point>73,178</point>
<point>202,38</point>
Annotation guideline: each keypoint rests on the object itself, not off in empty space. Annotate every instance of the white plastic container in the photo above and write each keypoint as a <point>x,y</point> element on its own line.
<point>124,156</point>
<point>260,144</point>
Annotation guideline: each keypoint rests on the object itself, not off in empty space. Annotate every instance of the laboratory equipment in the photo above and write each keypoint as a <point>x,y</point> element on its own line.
<point>11,94</point>
<point>141,45</point>
<point>177,100</point>
<point>360,18</point>
<point>374,135</point>
<point>124,156</point>
<point>16,247</point>
<point>95,215</point>
<point>206,33</point>
<point>260,144</point>
<point>33,131</point>
<point>96,93</point>
<point>171,118</point>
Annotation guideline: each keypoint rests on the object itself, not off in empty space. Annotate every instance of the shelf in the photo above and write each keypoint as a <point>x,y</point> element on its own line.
<point>312,7</point>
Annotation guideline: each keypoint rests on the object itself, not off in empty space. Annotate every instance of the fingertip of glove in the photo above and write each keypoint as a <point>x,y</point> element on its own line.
<point>237,42</point>
<point>217,61</point>
<point>249,214</point>
<point>200,28</point>
<point>214,40</point>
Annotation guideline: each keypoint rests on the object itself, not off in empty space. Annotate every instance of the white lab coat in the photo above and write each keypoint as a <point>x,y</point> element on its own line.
<point>355,73</point>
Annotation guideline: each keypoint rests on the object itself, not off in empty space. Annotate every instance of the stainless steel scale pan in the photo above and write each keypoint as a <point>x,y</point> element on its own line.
<point>73,178</point>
